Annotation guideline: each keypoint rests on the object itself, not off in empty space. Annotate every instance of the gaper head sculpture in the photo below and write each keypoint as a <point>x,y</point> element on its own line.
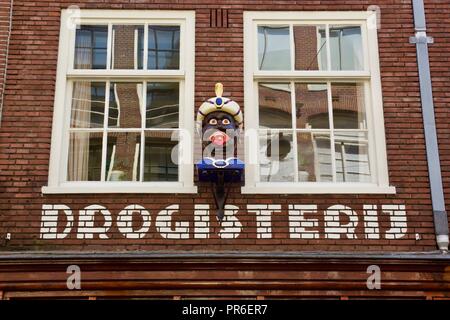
<point>219,122</point>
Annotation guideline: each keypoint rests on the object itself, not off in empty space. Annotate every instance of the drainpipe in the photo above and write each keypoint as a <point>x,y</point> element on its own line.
<point>426,93</point>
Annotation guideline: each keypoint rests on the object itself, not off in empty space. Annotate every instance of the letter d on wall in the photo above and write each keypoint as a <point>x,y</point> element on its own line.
<point>49,221</point>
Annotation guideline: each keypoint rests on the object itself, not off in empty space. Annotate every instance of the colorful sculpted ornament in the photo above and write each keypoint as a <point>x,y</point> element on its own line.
<point>219,121</point>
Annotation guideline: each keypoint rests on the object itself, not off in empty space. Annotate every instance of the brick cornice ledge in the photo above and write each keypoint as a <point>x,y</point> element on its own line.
<point>143,256</point>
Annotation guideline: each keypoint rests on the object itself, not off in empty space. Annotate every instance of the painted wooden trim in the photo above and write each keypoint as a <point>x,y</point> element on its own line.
<point>370,76</point>
<point>136,187</point>
<point>66,75</point>
<point>316,188</point>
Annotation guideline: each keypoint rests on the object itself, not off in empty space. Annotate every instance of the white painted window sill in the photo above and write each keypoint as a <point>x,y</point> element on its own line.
<point>317,188</point>
<point>120,187</point>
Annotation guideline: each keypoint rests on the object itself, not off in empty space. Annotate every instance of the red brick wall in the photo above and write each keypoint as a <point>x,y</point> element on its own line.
<point>438,23</point>
<point>27,122</point>
<point>5,28</point>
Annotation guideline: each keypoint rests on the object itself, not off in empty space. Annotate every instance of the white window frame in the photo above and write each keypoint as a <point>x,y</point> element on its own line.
<point>370,75</point>
<point>57,183</point>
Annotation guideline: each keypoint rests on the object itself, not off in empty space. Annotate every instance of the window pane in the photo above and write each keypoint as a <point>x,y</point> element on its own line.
<point>125,101</point>
<point>162,110</point>
<point>85,156</point>
<point>276,156</point>
<point>346,48</point>
<point>88,105</point>
<point>310,48</point>
<point>128,47</point>
<point>312,106</point>
<point>275,107</point>
<point>160,156</point>
<point>274,51</point>
<point>91,44</point>
<point>164,47</point>
<point>352,157</point>
<point>348,106</point>
<point>98,59</point>
<point>123,156</point>
<point>314,157</point>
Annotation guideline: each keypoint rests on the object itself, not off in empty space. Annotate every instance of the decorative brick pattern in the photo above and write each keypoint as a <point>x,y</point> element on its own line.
<point>333,226</point>
<point>301,227</point>
<point>125,222</point>
<point>264,219</point>
<point>219,18</point>
<point>49,225</point>
<point>201,221</point>
<point>86,223</point>
<point>371,223</point>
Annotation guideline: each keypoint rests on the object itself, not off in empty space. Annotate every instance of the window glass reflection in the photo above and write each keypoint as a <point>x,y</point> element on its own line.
<point>164,47</point>
<point>123,156</point>
<point>274,51</point>
<point>162,110</point>
<point>125,105</point>
<point>160,156</point>
<point>85,156</point>
<point>276,156</point>
<point>310,47</point>
<point>88,104</point>
<point>312,106</point>
<point>352,157</point>
<point>275,107</point>
<point>91,43</point>
<point>346,48</point>
<point>314,157</point>
<point>128,43</point>
<point>348,106</point>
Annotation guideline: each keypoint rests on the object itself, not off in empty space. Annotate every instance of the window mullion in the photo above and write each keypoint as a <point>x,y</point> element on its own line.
<point>327,35</point>
<point>67,129</point>
<point>143,125</point>
<point>369,130</point>
<point>136,49</point>
<point>258,131</point>
<point>105,131</point>
<point>113,44</point>
<point>292,46</point>
<point>110,48</point>
<point>181,124</point>
<point>145,47</point>
<point>294,126</point>
<point>332,139</point>
<point>344,159</point>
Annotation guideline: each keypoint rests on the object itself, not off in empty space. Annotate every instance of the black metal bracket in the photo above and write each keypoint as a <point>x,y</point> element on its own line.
<point>220,193</point>
<point>221,175</point>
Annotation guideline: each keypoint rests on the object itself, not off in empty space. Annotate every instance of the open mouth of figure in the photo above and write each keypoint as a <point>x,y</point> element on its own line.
<point>219,138</point>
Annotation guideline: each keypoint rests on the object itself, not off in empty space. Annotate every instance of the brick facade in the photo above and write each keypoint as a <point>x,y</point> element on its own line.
<point>5,31</point>
<point>25,135</point>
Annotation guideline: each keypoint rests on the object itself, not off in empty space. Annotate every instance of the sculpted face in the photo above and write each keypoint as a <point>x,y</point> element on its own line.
<point>219,128</point>
<point>219,121</point>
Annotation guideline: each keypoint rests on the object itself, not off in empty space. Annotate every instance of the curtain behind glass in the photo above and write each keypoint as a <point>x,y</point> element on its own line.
<point>78,166</point>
